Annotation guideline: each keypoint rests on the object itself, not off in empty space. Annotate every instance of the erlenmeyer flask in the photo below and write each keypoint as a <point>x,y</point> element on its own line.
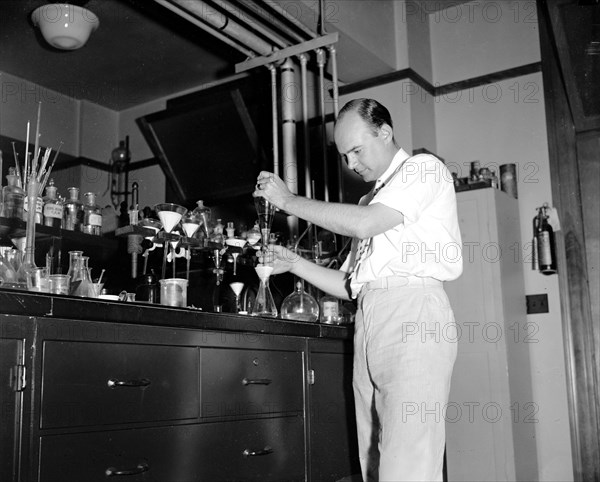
<point>81,282</point>
<point>264,305</point>
<point>8,274</point>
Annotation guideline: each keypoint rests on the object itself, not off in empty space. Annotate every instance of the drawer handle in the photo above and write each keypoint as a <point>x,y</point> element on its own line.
<point>142,382</point>
<point>256,381</point>
<point>256,453</point>
<point>139,469</point>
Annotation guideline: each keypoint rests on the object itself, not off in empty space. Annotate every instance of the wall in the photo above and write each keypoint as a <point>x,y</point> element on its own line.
<point>499,123</point>
<point>85,129</point>
<point>479,37</point>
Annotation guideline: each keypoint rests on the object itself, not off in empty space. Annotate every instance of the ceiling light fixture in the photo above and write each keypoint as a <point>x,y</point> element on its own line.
<point>65,26</point>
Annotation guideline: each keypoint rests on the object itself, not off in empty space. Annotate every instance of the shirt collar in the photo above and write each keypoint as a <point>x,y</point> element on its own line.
<point>398,159</point>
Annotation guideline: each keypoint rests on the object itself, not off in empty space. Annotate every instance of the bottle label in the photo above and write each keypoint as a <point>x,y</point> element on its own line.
<point>53,211</point>
<point>330,309</point>
<point>39,205</point>
<point>95,220</point>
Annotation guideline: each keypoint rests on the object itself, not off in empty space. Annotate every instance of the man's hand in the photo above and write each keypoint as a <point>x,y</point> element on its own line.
<point>273,189</point>
<point>282,259</point>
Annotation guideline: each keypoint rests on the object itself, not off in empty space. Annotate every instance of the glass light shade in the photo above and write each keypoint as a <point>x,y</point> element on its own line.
<point>65,26</point>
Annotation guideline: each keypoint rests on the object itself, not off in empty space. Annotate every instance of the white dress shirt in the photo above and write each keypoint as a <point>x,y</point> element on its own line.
<point>428,243</point>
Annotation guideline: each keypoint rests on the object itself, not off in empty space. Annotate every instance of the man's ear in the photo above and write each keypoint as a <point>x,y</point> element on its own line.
<point>387,133</point>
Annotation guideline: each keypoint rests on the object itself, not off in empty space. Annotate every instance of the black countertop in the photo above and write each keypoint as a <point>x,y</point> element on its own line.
<point>16,302</point>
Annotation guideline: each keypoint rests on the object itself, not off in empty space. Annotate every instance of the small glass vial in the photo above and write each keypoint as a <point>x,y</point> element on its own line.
<point>53,207</point>
<point>13,196</point>
<point>330,310</point>
<point>73,211</point>
<point>92,215</point>
<point>230,230</point>
<point>217,236</point>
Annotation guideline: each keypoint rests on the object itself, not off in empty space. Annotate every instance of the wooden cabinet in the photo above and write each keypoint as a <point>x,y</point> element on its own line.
<point>172,403</point>
<point>332,426</point>
<point>12,384</point>
<point>490,415</point>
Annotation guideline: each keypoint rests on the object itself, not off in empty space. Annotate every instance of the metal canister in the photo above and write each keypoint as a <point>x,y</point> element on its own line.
<point>508,179</point>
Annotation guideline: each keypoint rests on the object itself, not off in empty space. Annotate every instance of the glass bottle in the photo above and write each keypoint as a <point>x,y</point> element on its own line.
<point>92,215</point>
<point>73,212</point>
<point>53,207</point>
<point>300,306</point>
<point>217,236</point>
<point>8,273</point>
<point>13,196</point>
<point>330,310</point>
<point>203,212</point>
<point>230,230</point>
<point>264,305</point>
<point>254,235</point>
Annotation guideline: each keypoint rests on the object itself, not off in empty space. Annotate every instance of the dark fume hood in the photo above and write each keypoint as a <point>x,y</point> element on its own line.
<point>212,144</point>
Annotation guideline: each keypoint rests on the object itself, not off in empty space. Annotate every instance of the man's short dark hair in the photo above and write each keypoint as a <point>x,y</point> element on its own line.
<point>370,111</point>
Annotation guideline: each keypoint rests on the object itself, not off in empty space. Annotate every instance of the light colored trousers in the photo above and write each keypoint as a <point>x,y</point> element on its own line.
<point>405,345</point>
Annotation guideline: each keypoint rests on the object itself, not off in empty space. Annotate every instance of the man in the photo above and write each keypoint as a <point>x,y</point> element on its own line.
<point>407,244</point>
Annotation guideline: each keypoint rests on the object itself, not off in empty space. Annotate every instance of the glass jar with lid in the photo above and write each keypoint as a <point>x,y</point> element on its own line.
<point>92,215</point>
<point>53,207</point>
<point>73,211</point>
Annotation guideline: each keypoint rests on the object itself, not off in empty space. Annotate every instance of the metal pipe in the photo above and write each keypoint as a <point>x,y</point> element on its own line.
<point>224,24</point>
<point>269,19</point>
<point>275,118</point>
<point>288,109</point>
<point>281,10</point>
<point>215,33</point>
<point>336,95</point>
<point>233,10</point>
<point>321,64</point>
<point>307,176</point>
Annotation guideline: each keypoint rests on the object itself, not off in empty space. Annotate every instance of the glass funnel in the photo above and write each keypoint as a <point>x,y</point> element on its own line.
<point>265,211</point>
<point>237,288</point>
<point>264,305</point>
<point>169,214</point>
<point>300,306</point>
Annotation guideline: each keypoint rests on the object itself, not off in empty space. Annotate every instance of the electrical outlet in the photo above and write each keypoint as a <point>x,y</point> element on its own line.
<point>537,304</point>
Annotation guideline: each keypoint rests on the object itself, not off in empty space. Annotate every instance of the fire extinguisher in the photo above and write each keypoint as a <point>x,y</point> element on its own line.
<point>544,251</point>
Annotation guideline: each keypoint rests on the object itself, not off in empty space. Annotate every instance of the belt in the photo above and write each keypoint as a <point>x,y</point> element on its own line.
<point>399,281</point>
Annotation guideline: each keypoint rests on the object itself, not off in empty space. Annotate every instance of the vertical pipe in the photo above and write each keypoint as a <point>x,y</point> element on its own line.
<point>288,109</point>
<point>336,95</point>
<point>321,64</point>
<point>307,177</point>
<point>275,118</point>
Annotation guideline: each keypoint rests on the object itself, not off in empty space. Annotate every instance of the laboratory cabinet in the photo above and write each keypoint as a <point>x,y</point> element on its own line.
<point>159,394</point>
<point>490,416</point>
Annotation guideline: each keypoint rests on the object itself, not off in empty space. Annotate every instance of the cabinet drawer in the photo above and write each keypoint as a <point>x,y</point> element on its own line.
<point>103,383</point>
<point>239,382</point>
<point>253,450</point>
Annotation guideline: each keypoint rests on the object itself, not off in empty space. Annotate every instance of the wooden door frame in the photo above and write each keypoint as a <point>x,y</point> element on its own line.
<point>562,120</point>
